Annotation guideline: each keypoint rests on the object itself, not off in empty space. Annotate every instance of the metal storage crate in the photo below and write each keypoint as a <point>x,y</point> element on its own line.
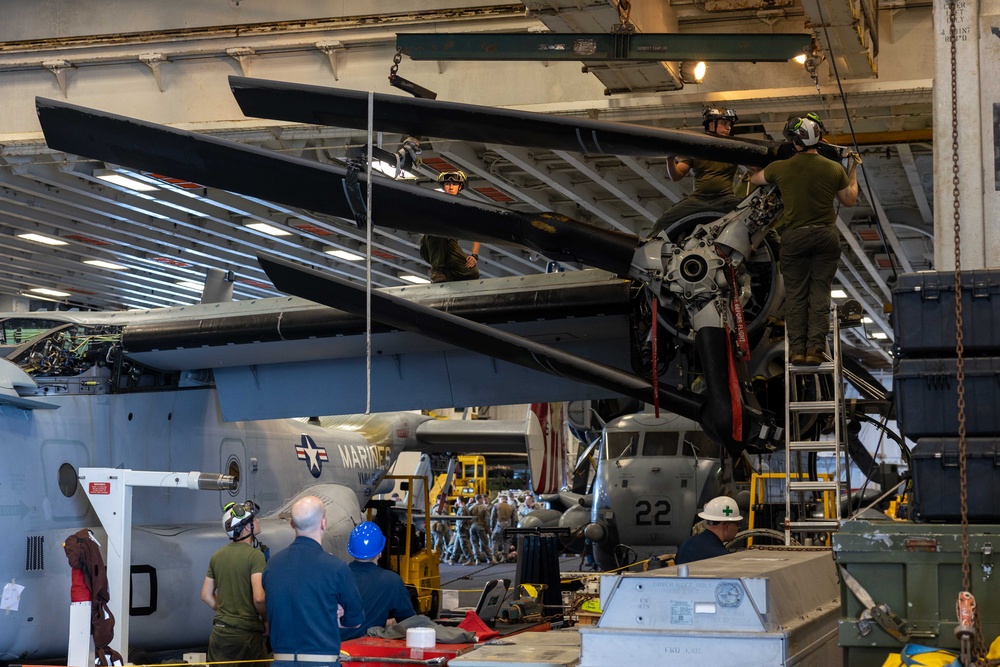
<point>927,397</point>
<point>917,570</point>
<point>924,312</point>
<point>934,464</point>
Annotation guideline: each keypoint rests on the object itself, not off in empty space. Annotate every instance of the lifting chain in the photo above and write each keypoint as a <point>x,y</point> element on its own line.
<point>969,629</point>
<point>396,59</point>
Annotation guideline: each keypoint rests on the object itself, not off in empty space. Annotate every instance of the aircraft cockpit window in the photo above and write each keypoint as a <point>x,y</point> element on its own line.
<point>621,444</point>
<point>697,443</point>
<point>660,443</point>
<point>16,331</point>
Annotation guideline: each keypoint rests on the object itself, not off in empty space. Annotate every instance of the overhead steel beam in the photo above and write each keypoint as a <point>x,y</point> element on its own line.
<point>562,184</point>
<point>913,177</point>
<point>633,164</point>
<point>624,192</point>
<point>882,138</point>
<point>653,47</point>
<point>884,224</point>
<point>852,241</point>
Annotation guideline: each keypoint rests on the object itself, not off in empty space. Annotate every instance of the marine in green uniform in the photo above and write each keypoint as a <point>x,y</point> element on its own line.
<point>810,243</point>
<point>713,181</point>
<point>233,588</point>
<point>448,261</point>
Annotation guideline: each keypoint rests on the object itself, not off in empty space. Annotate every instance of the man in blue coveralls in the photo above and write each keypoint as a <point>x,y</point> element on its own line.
<point>306,587</point>
<point>723,522</point>
<point>384,593</point>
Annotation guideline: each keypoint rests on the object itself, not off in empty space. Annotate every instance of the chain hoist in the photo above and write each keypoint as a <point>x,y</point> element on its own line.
<point>394,68</point>
<point>969,628</point>
<point>624,17</point>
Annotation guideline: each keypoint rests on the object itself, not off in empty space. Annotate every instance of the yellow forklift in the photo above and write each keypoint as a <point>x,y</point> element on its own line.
<point>466,477</point>
<point>408,551</point>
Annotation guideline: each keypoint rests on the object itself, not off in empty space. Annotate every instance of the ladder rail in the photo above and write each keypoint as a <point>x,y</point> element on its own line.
<point>832,491</point>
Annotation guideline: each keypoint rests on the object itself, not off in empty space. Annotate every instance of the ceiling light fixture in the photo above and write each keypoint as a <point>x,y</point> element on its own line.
<point>800,59</point>
<point>867,320</point>
<point>100,263</point>
<point>38,238</point>
<point>49,292</point>
<point>880,335</point>
<point>838,294</point>
<point>693,72</point>
<point>267,229</point>
<point>416,280</point>
<point>115,178</point>
<point>344,255</point>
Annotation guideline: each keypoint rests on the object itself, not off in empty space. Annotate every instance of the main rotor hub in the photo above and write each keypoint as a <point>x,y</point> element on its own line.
<point>693,271</point>
<point>694,268</point>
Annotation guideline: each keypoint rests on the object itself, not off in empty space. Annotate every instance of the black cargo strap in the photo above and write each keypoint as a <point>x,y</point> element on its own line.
<point>880,613</point>
<point>355,197</point>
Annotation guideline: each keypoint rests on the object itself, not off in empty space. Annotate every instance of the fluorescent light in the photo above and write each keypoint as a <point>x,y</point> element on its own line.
<point>111,266</point>
<point>838,294</point>
<point>867,320</point>
<point>267,229</point>
<point>48,292</point>
<point>416,280</point>
<point>800,59</point>
<point>124,181</point>
<point>38,238</point>
<point>190,284</point>
<point>880,335</point>
<point>344,255</point>
<point>390,170</point>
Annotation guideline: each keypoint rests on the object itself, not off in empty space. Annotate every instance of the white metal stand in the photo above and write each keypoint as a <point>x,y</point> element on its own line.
<point>81,645</point>
<point>110,493</point>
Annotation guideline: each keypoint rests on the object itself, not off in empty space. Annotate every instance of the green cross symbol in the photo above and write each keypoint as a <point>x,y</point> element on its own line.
<point>727,511</point>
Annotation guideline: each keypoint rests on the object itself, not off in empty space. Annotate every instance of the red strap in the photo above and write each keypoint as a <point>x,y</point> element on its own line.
<point>656,379</point>
<point>742,339</point>
<point>735,395</point>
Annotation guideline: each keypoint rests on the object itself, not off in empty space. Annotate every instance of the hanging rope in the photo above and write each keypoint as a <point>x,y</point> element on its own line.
<point>368,261</point>
<point>854,138</point>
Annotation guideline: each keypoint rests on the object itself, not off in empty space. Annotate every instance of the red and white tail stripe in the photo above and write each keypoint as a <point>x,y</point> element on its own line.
<point>547,453</point>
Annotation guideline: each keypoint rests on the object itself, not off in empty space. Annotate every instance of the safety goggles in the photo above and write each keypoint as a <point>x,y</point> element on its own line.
<point>241,510</point>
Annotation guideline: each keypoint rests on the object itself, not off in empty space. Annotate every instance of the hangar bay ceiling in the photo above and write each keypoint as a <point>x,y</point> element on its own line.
<point>148,242</point>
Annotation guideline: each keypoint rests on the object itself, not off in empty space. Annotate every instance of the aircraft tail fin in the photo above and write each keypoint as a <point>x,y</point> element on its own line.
<point>547,451</point>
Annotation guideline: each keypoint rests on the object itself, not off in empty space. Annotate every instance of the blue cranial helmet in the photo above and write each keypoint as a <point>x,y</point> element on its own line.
<point>367,541</point>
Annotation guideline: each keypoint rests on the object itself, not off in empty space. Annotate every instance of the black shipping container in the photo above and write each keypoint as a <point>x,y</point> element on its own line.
<point>934,464</point>
<point>927,397</point>
<point>923,311</point>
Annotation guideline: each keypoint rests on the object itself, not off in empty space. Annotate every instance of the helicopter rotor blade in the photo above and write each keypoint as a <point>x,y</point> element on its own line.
<point>394,311</point>
<point>322,188</point>
<point>318,105</point>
